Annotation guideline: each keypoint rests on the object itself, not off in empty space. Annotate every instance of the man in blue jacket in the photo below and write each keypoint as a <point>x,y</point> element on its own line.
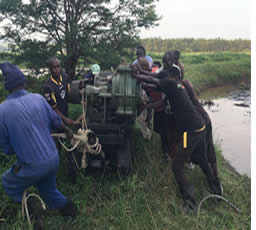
<point>26,121</point>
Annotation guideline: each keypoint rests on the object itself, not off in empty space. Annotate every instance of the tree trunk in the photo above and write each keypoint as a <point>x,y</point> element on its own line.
<point>70,67</point>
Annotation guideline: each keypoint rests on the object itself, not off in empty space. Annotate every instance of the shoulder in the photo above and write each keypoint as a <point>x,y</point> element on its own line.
<point>65,77</point>
<point>162,74</point>
<point>35,96</point>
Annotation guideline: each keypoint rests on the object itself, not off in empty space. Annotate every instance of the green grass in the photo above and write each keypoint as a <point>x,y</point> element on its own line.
<point>215,69</point>
<point>149,197</point>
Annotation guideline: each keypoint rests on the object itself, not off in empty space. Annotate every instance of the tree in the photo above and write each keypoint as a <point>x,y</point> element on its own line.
<point>74,29</point>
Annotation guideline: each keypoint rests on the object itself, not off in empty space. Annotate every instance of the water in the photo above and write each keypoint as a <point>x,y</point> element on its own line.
<point>231,120</point>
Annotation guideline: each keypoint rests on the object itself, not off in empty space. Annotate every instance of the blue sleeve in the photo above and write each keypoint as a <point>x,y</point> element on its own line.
<point>5,146</point>
<point>54,118</point>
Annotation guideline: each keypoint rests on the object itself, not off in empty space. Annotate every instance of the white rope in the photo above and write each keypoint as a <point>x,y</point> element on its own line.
<point>81,138</point>
<point>24,205</point>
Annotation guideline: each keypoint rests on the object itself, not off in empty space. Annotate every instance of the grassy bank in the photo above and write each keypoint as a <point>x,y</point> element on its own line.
<point>149,197</point>
<point>215,69</point>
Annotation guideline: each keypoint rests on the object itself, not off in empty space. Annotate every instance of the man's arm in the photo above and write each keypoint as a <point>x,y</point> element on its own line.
<point>137,68</point>
<point>51,99</point>
<point>146,78</point>
<point>66,120</point>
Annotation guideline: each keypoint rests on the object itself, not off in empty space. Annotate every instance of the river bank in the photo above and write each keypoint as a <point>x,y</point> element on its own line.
<point>149,197</point>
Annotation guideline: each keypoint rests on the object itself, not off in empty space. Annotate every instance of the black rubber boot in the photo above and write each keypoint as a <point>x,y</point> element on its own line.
<point>36,212</point>
<point>189,200</point>
<point>215,186</point>
<point>69,209</point>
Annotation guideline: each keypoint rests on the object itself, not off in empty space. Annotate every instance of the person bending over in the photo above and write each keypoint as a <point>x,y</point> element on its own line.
<point>26,121</point>
<point>191,126</point>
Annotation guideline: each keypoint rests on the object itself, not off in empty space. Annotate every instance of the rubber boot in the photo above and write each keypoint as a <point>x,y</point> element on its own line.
<point>189,200</point>
<point>69,209</point>
<point>36,212</point>
<point>215,186</point>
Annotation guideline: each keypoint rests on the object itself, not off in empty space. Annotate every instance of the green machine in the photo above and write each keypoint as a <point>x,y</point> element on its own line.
<point>111,109</point>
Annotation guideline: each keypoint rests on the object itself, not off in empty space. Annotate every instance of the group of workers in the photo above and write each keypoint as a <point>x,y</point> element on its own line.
<point>187,123</point>
<point>27,120</point>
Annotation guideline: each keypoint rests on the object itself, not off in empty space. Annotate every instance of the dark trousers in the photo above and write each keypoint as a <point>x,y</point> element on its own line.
<point>161,127</point>
<point>211,153</point>
<point>196,151</point>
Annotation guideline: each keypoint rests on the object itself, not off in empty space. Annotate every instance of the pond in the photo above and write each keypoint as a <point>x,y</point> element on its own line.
<point>230,112</point>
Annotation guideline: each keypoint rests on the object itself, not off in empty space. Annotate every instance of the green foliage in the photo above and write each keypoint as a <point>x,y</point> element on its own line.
<point>3,92</point>
<point>196,45</point>
<point>215,68</point>
<point>89,30</point>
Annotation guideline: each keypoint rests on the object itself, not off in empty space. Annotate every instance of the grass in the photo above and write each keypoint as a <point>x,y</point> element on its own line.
<point>215,69</point>
<point>149,197</point>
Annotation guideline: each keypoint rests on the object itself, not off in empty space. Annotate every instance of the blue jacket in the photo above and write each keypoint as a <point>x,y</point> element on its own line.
<point>26,121</point>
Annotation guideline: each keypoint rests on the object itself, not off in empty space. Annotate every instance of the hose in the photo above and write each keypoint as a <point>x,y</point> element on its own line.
<point>214,196</point>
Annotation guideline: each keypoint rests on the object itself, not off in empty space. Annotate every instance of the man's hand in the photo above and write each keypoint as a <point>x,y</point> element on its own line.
<point>69,121</point>
<point>67,130</point>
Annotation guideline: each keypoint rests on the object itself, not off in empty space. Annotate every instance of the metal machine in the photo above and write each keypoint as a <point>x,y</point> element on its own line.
<point>111,109</point>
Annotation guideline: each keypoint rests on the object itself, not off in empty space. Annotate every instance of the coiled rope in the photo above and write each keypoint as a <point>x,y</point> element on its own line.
<point>81,140</point>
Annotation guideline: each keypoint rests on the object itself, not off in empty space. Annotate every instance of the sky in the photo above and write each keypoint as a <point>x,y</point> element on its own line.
<point>228,19</point>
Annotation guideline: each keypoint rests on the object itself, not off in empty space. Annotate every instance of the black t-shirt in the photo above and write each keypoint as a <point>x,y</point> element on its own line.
<point>57,93</point>
<point>186,116</point>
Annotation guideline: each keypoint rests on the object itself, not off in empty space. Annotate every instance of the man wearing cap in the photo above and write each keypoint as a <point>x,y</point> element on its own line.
<point>26,121</point>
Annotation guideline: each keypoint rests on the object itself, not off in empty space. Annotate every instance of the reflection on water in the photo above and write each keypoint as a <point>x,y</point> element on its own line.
<point>231,119</point>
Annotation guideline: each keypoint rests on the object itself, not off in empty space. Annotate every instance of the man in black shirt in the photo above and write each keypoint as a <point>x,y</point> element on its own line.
<point>190,125</point>
<point>57,90</point>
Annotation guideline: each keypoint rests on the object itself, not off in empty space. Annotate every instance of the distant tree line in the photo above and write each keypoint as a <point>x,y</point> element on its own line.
<point>196,45</point>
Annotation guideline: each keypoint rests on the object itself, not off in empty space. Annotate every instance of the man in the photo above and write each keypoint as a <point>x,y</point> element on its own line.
<point>191,126</point>
<point>176,54</point>
<point>145,116</point>
<point>57,91</point>
<point>141,52</point>
<point>26,121</point>
<point>160,117</point>
<point>173,57</point>
<point>211,153</point>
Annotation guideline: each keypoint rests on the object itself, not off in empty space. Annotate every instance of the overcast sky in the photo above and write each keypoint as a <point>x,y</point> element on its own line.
<point>229,19</point>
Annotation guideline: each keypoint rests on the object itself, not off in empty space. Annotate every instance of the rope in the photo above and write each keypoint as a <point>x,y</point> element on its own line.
<point>214,196</point>
<point>24,205</point>
<point>81,139</point>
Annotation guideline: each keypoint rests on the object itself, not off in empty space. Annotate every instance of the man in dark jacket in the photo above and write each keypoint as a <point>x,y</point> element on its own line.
<point>57,91</point>
<point>191,126</point>
<point>26,121</point>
